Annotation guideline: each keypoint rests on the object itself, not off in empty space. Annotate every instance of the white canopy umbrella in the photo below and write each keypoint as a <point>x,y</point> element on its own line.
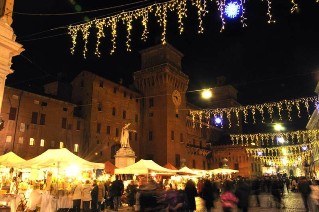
<point>59,158</point>
<point>144,167</point>
<point>10,159</point>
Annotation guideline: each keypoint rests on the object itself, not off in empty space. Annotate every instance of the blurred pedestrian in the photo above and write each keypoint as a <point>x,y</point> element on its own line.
<point>242,193</point>
<point>208,195</point>
<point>94,196</point>
<point>191,193</point>
<point>117,189</point>
<point>76,196</point>
<point>304,188</point>
<point>228,198</point>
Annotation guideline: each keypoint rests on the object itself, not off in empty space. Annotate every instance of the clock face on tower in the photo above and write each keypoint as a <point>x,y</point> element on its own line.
<point>177,98</point>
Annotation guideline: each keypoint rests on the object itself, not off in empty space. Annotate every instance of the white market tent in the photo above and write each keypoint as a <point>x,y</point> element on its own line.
<point>223,171</point>
<point>10,159</point>
<point>144,167</point>
<point>186,171</point>
<point>59,158</point>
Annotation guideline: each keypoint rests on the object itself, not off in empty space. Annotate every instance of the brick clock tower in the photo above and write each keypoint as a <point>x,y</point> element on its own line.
<point>163,107</point>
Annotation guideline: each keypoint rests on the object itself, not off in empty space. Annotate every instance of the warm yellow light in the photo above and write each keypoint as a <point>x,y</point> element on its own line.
<point>207,94</point>
<point>278,127</point>
<point>72,171</point>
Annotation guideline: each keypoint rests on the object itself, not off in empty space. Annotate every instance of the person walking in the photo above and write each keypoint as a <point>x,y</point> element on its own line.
<point>100,196</point>
<point>76,196</point>
<point>86,196</point>
<point>242,193</point>
<point>117,189</point>
<point>94,197</point>
<point>228,198</point>
<point>191,193</point>
<point>305,190</point>
<point>207,193</point>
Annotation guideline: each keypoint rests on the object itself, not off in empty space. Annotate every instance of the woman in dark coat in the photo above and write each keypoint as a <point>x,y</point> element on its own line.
<point>191,193</point>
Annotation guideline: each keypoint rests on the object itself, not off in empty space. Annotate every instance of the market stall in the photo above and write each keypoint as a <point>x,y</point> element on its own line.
<point>52,176</point>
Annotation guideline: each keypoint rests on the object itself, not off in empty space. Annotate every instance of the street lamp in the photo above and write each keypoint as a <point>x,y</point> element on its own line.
<point>207,93</point>
<point>278,127</point>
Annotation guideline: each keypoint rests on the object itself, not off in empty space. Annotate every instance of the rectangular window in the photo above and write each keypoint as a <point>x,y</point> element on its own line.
<point>136,118</point>
<point>252,167</point>
<point>99,107</point>
<point>42,119</point>
<point>52,144</point>
<point>117,132</point>
<point>108,130</point>
<point>34,118</point>
<point>12,113</point>
<point>149,157</point>
<point>130,136</point>
<point>114,90</point>
<point>135,136</point>
<point>98,128</point>
<point>177,160</point>
<point>101,84</point>
<point>76,147</point>
<point>20,140</point>
<point>151,102</point>
<point>8,138</point>
<point>124,114</point>
<point>172,135</point>
<point>150,135</point>
<point>113,111</point>
<point>64,123</point>
<point>42,142</point>
<point>31,143</point>
<point>204,164</point>
<point>236,166</point>
<point>78,125</point>
<point>182,138</point>
<point>194,164</point>
<point>61,144</point>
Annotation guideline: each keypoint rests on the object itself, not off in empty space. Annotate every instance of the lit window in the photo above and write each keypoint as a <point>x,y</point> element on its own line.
<point>31,141</point>
<point>76,147</point>
<point>42,142</point>
<point>61,144</point>
<point>21,140</point>
<point>9,138</point>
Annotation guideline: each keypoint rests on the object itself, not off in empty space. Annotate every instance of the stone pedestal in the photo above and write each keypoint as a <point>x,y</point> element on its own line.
<point>125,156</point>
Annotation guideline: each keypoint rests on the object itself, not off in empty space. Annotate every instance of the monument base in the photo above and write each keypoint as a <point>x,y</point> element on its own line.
<point>125,156</point>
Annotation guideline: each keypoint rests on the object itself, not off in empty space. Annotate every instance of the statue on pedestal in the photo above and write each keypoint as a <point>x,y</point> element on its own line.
<point>125,138</point>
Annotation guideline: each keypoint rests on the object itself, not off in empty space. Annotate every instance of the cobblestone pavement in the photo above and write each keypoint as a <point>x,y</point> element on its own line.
<point>292,202</point>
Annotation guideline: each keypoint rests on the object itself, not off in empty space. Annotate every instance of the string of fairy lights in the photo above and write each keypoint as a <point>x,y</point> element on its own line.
<point>227,9</point>
<point>257,139</point>
<point>232,115</point>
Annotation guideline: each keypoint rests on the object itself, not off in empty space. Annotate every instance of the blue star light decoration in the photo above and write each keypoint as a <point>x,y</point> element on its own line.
<point>232,9</point>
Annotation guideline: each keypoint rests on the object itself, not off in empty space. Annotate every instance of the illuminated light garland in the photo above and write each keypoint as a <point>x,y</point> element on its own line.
<point>294,7</point>
<point>160,9</point>
<point>253,110</point>
<point>266,138</point>
<point>278,151</point>
<point>201,12</point>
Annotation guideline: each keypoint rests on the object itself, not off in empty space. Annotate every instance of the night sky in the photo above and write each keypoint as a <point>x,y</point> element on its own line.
<point>265,62</point>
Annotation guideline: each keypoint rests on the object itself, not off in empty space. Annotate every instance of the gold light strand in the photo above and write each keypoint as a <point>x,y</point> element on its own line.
<point>144,15</point>
<point>128,19</point>
<point>161,13</point>
<point>271,136</point>
<point>99,24</point>
<point>85,32</point>
<point>237,116</point>
<point>280,106</point>
<point>112,22</point>
<point>201,12</point>
<point>221,8</point>
<point>181,13</point>
<point>73,32</point>
<point>294,7</point>
<point>270,20</point>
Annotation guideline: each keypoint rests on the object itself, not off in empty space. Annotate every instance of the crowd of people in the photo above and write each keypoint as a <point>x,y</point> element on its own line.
<point>164,196</point>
